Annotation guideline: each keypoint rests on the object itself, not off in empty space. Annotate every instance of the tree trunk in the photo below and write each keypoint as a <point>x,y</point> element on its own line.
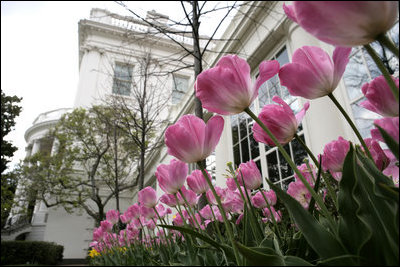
<point>197,55</point>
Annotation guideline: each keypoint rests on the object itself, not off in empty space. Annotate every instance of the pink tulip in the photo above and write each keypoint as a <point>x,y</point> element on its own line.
<point>220,192</point>
<point>231,184</point>
<point>250,174</point>
<point>148,197</point>
<point>106,226</point>
<point>277,214</point>
<point>124,218</point>
<point>280,120</point>
<point>150,225</point>
<point>147,213</point>
<point>134,211</point>
<point>98,234</point>
<point>161,210</point>
<point>259,201</point>
<point>197,182</point>
<point>310,175</point>
<point>177,220</point>
<point>170,200</point>
<point>380,98</point>
<point>312,74</point>
<point>346,23</point>
<point>206,212</point>
<point>232,202</point>
<point>191,140</point>
<point>112,216</point>
<point>171,177</point>
<point>189,195</point>
<point>196,220</point>
<point>227,88</point>
<point>392,170</point>
<point>390,125</point>
<point>299,192</point>
<point>379,156</point>
<point>334,154</point>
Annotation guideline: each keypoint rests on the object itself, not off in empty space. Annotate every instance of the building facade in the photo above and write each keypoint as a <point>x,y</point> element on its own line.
<point>110,46</point>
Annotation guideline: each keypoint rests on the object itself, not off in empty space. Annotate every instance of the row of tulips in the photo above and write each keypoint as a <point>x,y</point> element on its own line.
<point>342,208</point>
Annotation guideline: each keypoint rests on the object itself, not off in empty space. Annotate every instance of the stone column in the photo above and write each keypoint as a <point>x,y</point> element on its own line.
<point>88,89</point>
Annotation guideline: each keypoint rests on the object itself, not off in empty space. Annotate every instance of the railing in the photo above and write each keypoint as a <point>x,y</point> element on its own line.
<point>129,23</point>
<point>51,115</point>
<point>21,223</point>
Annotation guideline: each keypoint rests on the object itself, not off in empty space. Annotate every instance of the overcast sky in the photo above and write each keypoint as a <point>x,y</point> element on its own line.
<point>39,53</point>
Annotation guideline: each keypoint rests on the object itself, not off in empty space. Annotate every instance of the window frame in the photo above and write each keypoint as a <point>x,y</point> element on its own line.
<point>116,87</point>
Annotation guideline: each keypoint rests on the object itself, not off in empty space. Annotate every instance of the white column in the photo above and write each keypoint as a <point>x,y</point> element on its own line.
<point>88,79</point>
<point>223,153</point>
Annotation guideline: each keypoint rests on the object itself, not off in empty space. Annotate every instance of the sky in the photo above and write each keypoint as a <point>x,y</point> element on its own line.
<point>39,53</point>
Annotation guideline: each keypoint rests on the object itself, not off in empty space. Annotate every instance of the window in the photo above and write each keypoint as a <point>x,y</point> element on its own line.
<point>245,147</point>
<point>361,69</point>
<point>179,88</point>
<point>122,81</point>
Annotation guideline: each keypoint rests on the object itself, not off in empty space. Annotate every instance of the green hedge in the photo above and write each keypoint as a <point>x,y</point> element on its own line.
<point>22,252</point>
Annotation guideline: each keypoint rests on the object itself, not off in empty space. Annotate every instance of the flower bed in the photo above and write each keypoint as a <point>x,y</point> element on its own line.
<point>342,208</point>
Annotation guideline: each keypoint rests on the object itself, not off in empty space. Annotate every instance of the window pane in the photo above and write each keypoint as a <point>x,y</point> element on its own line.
<point>285,183</point>
<point>355,75</point>
<point>236,155</point>
<point>364,118</point>
<point>286,170</point>
<point>242,126</point>
<point>179,88</point>
<point>272,165</point>
<point>299,154</point>
<point>235,129</point>
<point>282,57</point>
<point>255,151</point>
<point>245,150</point>
<point>122,80</point>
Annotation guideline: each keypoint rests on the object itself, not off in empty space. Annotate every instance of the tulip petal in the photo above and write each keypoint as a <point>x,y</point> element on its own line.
<point>301,81</point>
<point>302,113</point>
<point>346,23</point>
<point>290,12</point>
<point>214,129</point>
<point>240,66</point>
<point>267,70</point>
<point>340,59</point>
<point>318,61</point>
<point>220,91</point>
<point>180,143</point>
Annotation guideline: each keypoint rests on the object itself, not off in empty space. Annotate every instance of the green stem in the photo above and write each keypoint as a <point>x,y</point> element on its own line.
<point>346,116</point>
<point>214,224</point>
<point>190,210</point>
<point>271,214</point>
<point>221,209</point>
<point>331,192</point>
<point>317,198</point>
<point>383,70</point>
<point>179,210</point>
<point>384,40</point>
<point>165,235</point>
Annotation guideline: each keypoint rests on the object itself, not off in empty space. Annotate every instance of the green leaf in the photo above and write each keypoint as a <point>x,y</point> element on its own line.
<point>227,249</point>
<point>391,143</point>
<point>353,231</point>
<point>256,258</point>
<point>379,212</point>
<point>295,261</point>
<point>320,239</point>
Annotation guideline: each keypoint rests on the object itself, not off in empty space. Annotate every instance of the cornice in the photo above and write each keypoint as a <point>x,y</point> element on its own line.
<point>39,127</point>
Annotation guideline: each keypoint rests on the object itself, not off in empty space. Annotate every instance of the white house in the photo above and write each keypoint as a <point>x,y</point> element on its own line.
<point>109,44</point>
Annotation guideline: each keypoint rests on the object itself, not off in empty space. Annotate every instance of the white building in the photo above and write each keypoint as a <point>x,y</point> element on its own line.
<point>260,31</point>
